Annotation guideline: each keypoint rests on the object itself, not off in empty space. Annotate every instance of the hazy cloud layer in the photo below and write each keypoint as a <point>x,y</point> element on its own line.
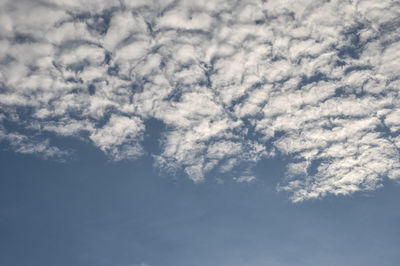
<point>232,81</point>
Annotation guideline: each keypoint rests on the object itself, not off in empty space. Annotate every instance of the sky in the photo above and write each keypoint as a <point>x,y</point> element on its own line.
<point>143,133</point>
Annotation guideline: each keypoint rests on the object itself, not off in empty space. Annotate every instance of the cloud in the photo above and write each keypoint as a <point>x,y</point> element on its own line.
<point>119,137</point>
<point>246,178</point>
<point>28,145</point>
<point>233,83</point>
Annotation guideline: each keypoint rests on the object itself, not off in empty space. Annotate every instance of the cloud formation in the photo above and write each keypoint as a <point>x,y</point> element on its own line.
<point>232,81</point>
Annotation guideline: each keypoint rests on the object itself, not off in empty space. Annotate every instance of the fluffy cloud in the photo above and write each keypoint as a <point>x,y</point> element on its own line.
<point>233,83</point>
<point>120,137</point>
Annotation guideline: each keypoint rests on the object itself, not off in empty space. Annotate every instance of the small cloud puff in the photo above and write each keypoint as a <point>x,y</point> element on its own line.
<point>246,179</point>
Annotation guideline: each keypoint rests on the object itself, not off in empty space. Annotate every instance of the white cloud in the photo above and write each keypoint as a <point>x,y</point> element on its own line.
<point>233,82</point>
<point>25,145</point>
<point>245,178</point>
<point>119,137</point>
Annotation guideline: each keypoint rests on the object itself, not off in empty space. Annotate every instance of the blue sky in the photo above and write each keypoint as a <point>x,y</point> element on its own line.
<point>92,212</point>
<point>146,133</point>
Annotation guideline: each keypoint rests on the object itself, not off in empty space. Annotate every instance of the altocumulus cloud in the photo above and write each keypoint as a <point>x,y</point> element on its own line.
<point>233,82</point>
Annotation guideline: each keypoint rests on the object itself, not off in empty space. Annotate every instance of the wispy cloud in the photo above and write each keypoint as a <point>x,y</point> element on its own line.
<point>246,178</point>
<point>234,82</point>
